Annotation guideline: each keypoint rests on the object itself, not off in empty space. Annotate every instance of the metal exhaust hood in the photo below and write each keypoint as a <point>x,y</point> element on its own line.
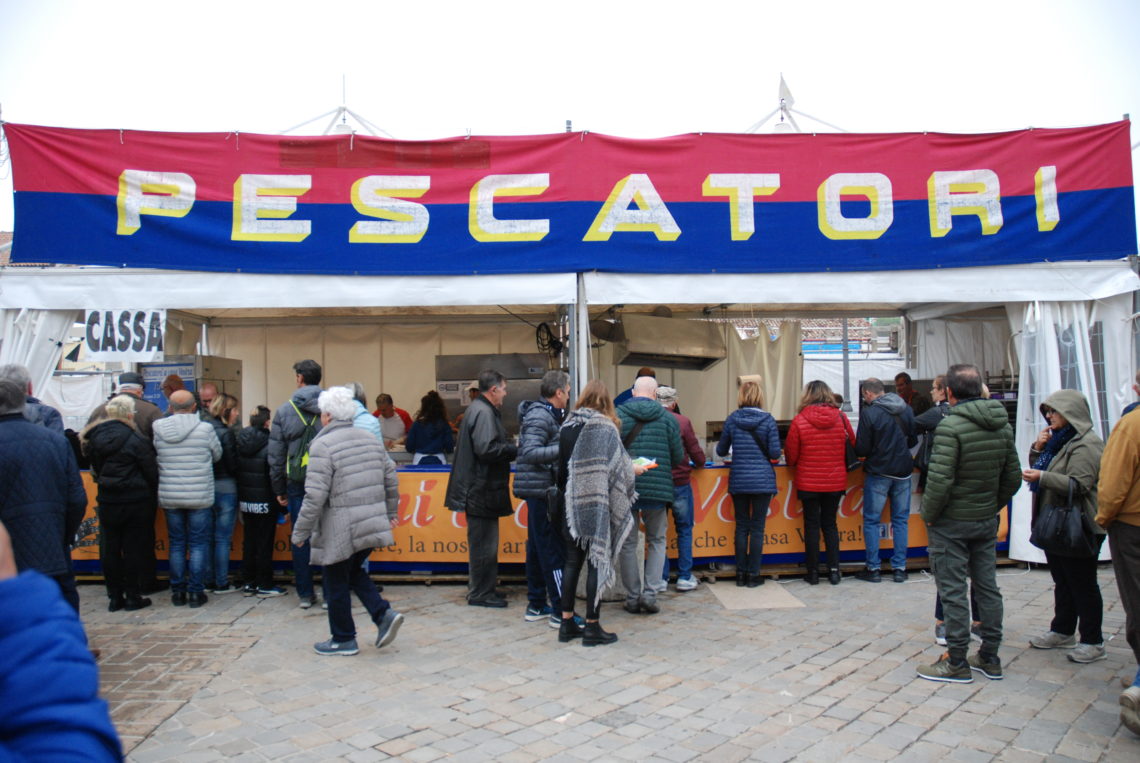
<point>642,340</point>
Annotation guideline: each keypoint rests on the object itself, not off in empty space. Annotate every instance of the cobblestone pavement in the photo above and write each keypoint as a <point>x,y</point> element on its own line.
<point>831,680</point>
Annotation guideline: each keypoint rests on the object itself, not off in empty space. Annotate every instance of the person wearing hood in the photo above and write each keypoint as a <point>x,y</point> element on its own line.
<point>1067,453</point>
<point>884,438</point>
<point>648,431</point>
<point>259,507</point>
<point>754,439</point>
<point>125,470</point>
<point>973,474</point>
<point>295,423</point>
<point>187,449</point>
<point>817,448</point>
<point>350,504</point>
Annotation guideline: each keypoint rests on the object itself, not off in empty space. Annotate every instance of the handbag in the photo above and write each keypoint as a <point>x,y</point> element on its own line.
<point>851,460</point>
<point>1064,530</point>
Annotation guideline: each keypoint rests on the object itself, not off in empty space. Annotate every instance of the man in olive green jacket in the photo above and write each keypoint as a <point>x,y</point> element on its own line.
<point>974,471</point>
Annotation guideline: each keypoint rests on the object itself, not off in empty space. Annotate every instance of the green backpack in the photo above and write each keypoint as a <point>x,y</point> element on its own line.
<point>298,461</point>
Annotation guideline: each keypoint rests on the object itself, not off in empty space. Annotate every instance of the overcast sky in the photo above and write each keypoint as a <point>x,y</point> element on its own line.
<point>432,69</point>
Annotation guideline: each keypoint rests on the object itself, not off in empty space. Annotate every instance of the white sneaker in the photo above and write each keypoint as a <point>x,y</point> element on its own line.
<point>1086,653</point>
<point>687,583</point>
<point>661,586</point>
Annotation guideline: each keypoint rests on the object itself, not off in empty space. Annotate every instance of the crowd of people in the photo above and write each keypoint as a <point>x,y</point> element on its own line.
<point>591,472</point>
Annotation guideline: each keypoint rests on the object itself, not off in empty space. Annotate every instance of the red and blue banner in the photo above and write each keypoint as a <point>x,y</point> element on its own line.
<point>573,202</point>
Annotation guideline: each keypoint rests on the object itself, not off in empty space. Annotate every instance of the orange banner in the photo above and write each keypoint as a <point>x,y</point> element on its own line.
<point>428,532</point>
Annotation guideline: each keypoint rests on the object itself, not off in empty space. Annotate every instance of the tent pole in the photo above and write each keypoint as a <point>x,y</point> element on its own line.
<point>846,371</point>
<point>580,337</point>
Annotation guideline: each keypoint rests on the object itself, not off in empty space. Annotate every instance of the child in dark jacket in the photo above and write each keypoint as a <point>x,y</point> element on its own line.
<point>259,507</point>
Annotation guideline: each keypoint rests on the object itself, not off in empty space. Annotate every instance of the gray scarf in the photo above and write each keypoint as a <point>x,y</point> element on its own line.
<point>599,492</point>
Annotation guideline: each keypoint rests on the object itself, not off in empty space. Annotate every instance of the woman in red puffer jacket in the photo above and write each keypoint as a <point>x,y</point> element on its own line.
<point>817,447</point>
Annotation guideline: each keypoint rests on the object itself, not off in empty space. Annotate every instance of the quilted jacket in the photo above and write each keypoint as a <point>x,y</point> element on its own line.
<point>974,469</point>
<point>659,439</point>
<point>817,447</point>
<point>122,462</point>
<point>187,449</point>
<point>42,500</point>
<point>746,431</point>
<point>255,491</point>
<point>538,448</point>
<point>351,494</point>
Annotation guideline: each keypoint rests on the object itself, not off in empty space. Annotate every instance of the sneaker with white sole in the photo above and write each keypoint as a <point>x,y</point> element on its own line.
<point>945,671</point>
<point>388,627</point>
<point>661,586</point>
<point>306,603</point>
<point>687,583</point>
<point>337,648</point>
<point>1086,653</point>
<point>940,633</point>
<point>269,593</point>
<point>536,614</point>
<point>1053,640</point>
<point>990,667</point>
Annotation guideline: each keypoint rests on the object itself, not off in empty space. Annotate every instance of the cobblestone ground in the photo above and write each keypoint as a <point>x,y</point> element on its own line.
<point>828,676</point>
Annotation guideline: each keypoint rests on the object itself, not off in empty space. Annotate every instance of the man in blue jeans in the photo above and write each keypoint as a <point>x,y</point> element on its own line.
<point>293,421</point>
<point>693,458</point>
<point>885,436</point>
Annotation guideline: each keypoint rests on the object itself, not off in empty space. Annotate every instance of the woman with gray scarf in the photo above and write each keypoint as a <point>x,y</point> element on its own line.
<point>596,477</point>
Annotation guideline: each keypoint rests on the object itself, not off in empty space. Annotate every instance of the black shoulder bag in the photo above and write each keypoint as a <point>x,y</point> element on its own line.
<point>1064,530</point>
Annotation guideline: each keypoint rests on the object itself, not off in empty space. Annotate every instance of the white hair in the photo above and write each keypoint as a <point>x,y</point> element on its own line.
<point>120,407</point>
<point>337,402</point>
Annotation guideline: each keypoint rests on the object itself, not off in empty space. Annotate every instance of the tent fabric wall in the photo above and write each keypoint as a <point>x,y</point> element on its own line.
<point>396,358</point>
<point>75,397</point>
<point>984,342</point>
<point>34,338</point>
<point>1060,345</point>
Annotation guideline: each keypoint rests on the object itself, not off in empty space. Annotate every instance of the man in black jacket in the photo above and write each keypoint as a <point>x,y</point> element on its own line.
<point>885,436</point>
<point>480,486</point>
<point>539,422</point>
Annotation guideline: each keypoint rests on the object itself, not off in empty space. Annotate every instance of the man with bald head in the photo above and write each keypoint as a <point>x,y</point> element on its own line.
<point>649,431</point>
<point>187,449</point>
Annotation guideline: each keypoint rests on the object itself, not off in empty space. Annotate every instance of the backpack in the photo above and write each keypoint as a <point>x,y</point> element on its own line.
<point>298,461</point>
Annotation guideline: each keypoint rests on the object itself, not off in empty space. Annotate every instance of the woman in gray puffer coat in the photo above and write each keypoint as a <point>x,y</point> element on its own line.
<point>351,502</point>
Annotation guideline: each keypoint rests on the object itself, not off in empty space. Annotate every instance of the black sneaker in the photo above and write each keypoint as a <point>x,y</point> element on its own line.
<point>899,576</point>
<point>249,589</point>
<point>869,576</point>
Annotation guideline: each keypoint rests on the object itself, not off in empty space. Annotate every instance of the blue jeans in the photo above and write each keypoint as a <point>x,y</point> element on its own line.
<point>223,514</point>
<point>876,489</point>
<point>302,572</point>
<point>188,528</point>
<point>683,524</point>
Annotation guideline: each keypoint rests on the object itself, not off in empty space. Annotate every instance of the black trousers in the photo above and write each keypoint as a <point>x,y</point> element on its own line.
<point>575,558</point>
<point>124,533</point>
<point>148,563</point>
<point>482,557</point>
<point>257,548</point>
<point>1076,597</point>
<point>819,513</point>
<point>751,512</point>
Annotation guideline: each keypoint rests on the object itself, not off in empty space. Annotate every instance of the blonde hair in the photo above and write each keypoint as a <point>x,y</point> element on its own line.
<point>750,396</point>
<point>597,397</point>
<point>120,407</point>
<point>817,393</point>
<point>222,406</point>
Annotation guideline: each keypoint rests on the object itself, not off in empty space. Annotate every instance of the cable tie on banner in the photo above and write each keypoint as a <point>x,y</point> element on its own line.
<point>584,134</point>
<point>468,134</point>
<point>351,141</point>
<point>237,139</point>
<point>121,136</point>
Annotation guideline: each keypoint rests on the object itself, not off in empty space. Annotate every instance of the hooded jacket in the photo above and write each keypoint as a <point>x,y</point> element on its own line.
<point>122,462</point>
<point>285,432</point>
<point>755,441</point>
<point>659,439</point>
<point>538,448</point>
<point>351,494</point>
<point>974,469</point>
<point>817,447</point>
<point>187,449</point>
<point>225,468</point>
<point>254,490</point>
<point>480,478</point>
<point>885,436</point>
<point>1079,458</point>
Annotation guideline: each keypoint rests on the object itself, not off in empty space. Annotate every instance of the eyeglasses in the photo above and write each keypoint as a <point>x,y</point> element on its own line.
<point>1049,411</point>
